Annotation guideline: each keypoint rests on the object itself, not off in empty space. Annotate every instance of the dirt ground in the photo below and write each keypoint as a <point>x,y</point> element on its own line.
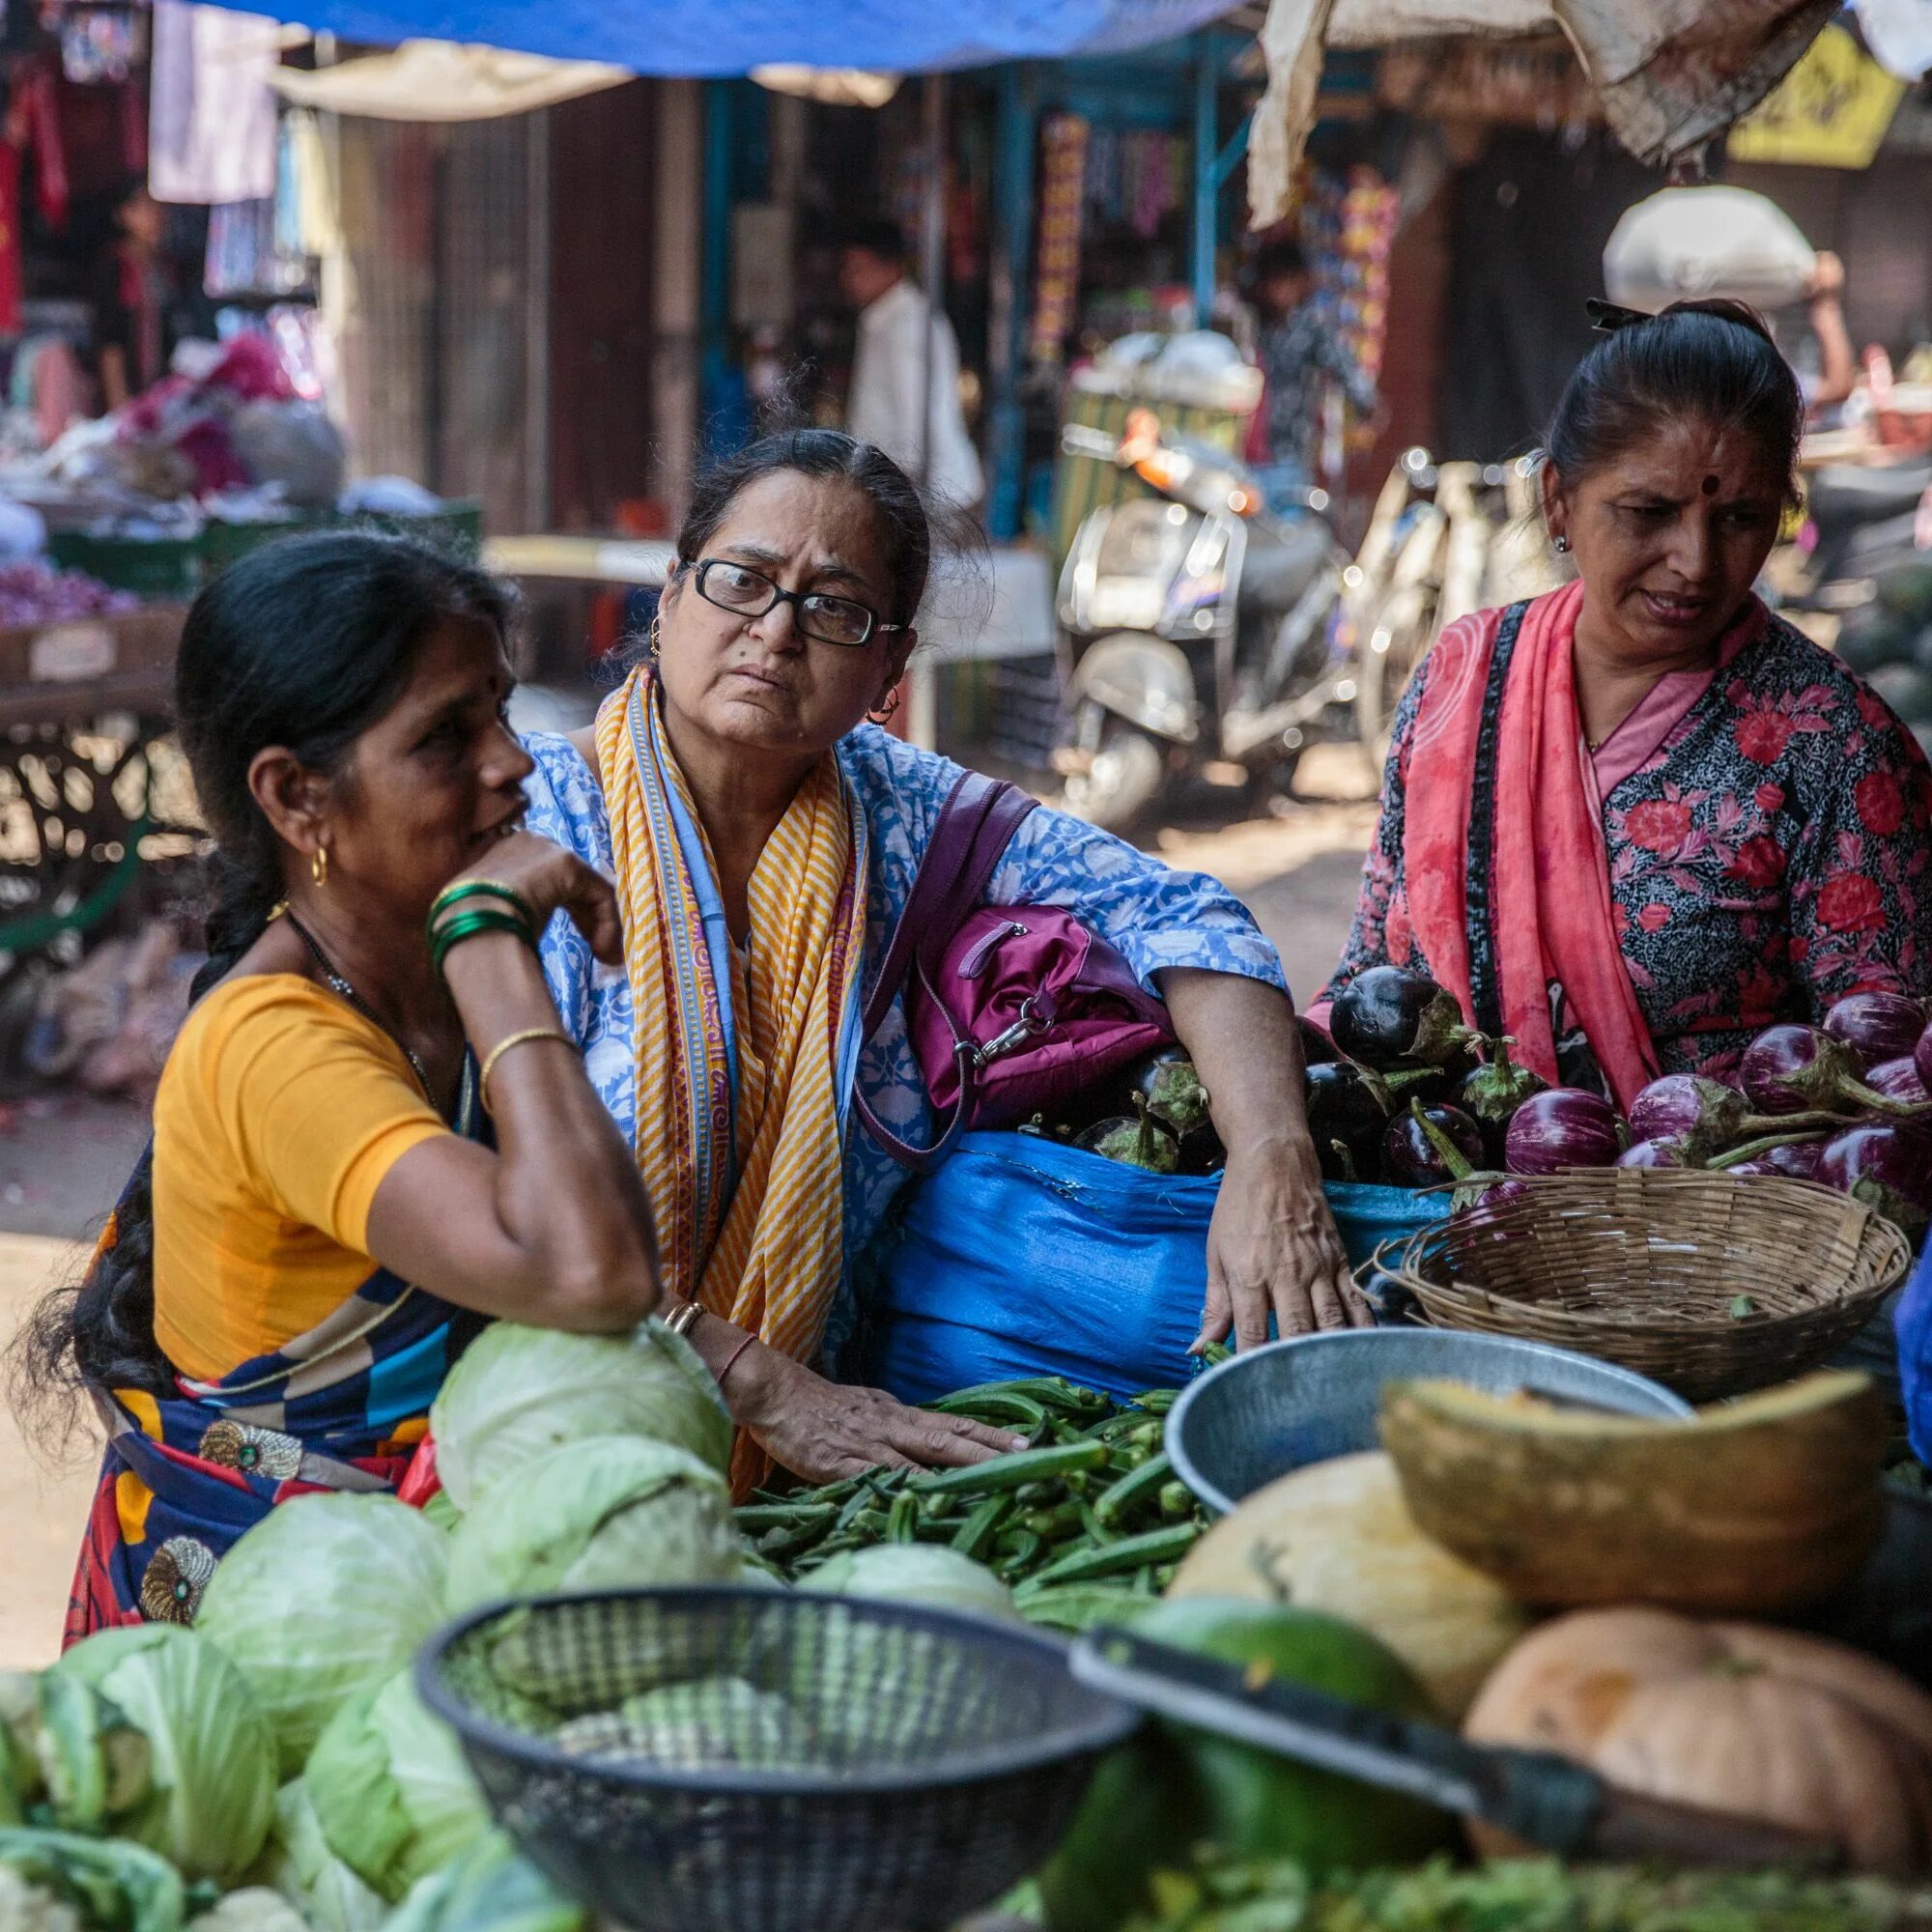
<point>62,1160</point>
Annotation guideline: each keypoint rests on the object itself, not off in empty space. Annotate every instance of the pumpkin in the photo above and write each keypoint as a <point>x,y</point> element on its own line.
<point>1337,1537</point>
<point>1762,1723</point>
<point>1749,1507</point>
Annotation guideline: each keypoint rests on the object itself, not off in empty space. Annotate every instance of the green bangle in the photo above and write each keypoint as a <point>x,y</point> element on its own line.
<point>460,890</point>
<point>469,925</point>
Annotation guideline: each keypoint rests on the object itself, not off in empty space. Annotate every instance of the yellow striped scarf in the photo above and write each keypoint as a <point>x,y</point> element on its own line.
<point>744,1176</point>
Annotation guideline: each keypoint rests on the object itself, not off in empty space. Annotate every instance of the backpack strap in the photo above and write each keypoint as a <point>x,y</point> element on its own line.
<point>976,826</point>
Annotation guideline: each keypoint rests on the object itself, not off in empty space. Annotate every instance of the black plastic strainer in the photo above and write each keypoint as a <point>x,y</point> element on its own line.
<point>756,1760</point>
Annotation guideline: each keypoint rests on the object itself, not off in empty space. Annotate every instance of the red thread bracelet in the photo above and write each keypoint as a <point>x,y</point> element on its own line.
<point>732,1358</point>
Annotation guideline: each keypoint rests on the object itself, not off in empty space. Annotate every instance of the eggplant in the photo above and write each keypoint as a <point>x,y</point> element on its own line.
<point>1921,1058</point>
<point>1167,1089</point>
<point>1686,1107</point>
<point>1390,1018</point>
<point>1562,1126</point>
<point>1664,1153</point>
<point>1316,1048</point>
<point>1795,1160</point>
<point>1899,1080</point>
<point>1347,1119</point>
<point>1876,1026</point>
<point>1134,1142</point>
<point>1414,1157</point>
<point>1492,1093</point>
<point>1889,1168</point>
<point>1798,1069</point>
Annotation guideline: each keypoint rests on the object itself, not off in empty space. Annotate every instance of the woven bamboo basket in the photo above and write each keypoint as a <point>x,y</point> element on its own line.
<point>1646,1267</point>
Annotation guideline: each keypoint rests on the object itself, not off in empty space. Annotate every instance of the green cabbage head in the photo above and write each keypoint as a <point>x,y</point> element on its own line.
<point>605,1513</point>
<point>914,1573</point>
<point>391,1790</point>
<point>519,1393</point>
<point>211,1759</point>
<point>328,1595</point>
<point>297,1864</point>
<point>491,1888</point>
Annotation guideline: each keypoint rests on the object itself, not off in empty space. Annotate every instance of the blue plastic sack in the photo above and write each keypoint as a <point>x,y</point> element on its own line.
<point>1914,1323</point>
<point>1020,1257</point>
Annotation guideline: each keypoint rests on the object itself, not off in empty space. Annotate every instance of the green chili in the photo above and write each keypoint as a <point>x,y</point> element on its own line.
<point>983,1525</point>
<point>1177,1502</point>
<point>756,1517</point>
<point>1003,1406</point>
<point>899,1519</point>
<point>1132,1553</point>
<point>1011,1472</point>
<point>1140,1485</point>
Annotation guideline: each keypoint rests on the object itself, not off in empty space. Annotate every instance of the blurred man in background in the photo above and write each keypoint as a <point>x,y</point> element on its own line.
<point>889,403</point>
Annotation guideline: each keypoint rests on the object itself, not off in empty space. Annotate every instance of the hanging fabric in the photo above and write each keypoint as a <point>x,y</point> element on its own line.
<point>10,239</point>
<point>212,137</point>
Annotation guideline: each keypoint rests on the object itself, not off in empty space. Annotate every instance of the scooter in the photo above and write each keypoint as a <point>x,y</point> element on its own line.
<point>1860,521</point>
<point>1199,629</point>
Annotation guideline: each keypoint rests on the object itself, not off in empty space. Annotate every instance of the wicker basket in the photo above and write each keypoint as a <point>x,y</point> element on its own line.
<point>1644,1267</point>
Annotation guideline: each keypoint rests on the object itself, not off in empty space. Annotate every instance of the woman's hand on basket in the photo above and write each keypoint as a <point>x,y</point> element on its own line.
<point>821,1430</point>
<point>548,879</point>
<point>1272,1250</point>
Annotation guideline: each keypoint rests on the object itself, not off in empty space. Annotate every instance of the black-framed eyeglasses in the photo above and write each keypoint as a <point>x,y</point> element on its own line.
<point>749,593</point>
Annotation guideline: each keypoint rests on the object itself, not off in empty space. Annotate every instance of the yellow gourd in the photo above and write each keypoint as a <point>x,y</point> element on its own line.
<point>1748,1507</point>
<point>1336,1537</point>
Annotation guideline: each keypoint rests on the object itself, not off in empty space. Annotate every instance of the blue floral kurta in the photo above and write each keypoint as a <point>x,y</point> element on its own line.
<point>1157,917</point>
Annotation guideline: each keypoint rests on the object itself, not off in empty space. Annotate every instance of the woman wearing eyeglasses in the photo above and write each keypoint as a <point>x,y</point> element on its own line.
<point>764,836</point>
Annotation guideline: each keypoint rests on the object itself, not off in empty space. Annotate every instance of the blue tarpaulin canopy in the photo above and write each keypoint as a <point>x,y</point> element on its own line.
<point>731,37</point>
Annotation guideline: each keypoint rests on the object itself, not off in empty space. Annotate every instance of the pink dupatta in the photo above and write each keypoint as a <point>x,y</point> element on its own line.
<point>1504,860</point>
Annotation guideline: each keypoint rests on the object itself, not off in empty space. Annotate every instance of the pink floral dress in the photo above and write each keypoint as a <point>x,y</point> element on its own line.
<point>1767,858</point>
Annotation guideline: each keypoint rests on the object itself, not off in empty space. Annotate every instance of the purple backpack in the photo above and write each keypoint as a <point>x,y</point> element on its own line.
<point>1011,1009</point>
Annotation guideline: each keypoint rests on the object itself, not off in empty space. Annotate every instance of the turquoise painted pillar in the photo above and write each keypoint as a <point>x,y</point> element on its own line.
<point>1206,148</point>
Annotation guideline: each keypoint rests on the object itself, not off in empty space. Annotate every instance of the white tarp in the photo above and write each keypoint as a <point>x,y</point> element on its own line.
<point>443,80</point>
<point>1671,73</point>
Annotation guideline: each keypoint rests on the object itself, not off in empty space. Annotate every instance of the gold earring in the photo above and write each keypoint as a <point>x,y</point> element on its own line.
<point>654,646</point>
<point>318,865</point>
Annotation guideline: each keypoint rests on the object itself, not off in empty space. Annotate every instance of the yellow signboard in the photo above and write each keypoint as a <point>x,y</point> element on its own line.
<point>1830,111</point>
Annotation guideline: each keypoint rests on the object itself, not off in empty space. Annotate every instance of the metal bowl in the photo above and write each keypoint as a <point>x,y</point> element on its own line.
<point>1273,1409</point>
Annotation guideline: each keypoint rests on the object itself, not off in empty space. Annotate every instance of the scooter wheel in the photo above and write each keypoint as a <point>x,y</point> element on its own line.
<point>1121,785</point>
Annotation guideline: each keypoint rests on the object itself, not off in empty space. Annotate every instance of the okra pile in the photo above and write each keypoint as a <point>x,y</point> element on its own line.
<point>1083,1521</point>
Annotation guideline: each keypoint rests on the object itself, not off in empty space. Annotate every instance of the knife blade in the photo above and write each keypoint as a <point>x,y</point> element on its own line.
<point>1538,1797</point>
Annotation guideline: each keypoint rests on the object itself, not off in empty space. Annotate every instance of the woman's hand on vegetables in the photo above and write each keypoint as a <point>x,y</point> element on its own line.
<point>550,879</point>
<point>821,1430</point>
<point>1272,1249</point>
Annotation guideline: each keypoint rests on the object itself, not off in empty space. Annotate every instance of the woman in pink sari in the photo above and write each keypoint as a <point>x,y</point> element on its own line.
<point>1634,821</point>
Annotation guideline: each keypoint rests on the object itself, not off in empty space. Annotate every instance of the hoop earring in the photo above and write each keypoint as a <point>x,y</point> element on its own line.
<point>654,640</point>
<point>881,714</point>
<point>318,865</point>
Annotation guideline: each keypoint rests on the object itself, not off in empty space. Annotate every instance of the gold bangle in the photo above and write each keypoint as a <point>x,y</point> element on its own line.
<point>683,1318</point>
<point>503,1046</point>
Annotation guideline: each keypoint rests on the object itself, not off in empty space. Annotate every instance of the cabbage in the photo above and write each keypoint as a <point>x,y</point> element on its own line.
<point>256,1909</point>
<point>328,1595</point>
<point>491,1888</point>
<point>519,1393</point>
<point>211,1755</point>
<point>297,1864</point>
<point>439,1512</point>
<point>604,1513</point>
<point>914,1573</point>
<point>391,1791</point>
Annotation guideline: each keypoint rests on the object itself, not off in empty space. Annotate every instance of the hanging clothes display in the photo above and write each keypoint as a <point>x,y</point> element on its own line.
<point>211,135</point>
<point>1057,286</point>
<point>102,43</point>
<point>10,239</point>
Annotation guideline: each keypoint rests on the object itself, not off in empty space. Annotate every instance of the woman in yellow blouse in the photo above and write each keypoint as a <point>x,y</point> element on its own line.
<point>371,1135</point>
